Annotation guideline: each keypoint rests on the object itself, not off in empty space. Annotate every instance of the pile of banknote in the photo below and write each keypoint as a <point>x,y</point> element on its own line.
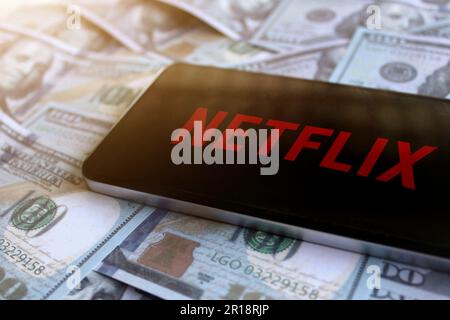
<point>70,69</point>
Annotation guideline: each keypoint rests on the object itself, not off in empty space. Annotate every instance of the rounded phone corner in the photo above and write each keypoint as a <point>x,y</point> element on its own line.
<point>88,170</point>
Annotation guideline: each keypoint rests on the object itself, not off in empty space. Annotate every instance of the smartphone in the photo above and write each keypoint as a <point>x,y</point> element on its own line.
<point>359,169</point>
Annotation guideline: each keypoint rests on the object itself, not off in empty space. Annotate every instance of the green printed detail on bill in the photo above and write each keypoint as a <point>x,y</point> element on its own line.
<point>34,213</point>
<point>42,238</point>
<point>266,243</point>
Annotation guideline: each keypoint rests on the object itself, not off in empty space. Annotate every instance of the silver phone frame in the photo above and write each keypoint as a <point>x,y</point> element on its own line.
<point>328,239</point>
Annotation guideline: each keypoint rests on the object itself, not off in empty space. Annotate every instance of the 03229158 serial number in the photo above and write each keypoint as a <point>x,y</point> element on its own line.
<point>299,289</point>
<point>21,257</point>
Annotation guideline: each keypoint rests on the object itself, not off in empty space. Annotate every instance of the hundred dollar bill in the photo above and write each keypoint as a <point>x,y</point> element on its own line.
<point>52,230</point>
<point>78,27</point>
<point>67,99</point>
<point>140,25</point>
<point>296,23</point>
<point>234,18</point>
<point>54,46</point>
<point>180,257</point>
<point>398,62</point>
<point>48,243</point>
<point>71,100</point>
<point>316,62</point>
<point>23,157</point>
<point>97,287</point>
<point>204,46</point>
<point>387,280</point>
<point>168,31</point>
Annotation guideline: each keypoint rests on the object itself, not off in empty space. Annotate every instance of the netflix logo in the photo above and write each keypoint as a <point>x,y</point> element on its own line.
<point>235,145</point>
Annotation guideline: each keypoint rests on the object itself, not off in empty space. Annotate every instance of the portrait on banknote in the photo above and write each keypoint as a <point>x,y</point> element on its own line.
<point>438,83</point>
<point>26,66</point>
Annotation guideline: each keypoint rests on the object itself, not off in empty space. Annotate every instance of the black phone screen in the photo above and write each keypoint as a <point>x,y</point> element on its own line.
<point>363,163</point>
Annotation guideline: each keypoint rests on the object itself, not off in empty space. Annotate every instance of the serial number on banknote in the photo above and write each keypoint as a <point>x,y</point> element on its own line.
<point>21,257</point>
<point>268,277</point>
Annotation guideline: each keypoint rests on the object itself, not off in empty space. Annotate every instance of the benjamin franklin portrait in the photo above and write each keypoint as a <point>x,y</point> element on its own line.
<point>438,83</point>
<point>24,64</point>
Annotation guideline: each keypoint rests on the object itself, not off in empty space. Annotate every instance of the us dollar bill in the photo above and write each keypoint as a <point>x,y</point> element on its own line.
<point>97,287</point>
<point>50,242</point>
<point>181,257</point>
<point>71,99</point>
<point>141,26</point>
<point>52,231</point>
<point>65,99</point>
<point>236,19</point>
<point>58,99</point>
<point>312,62</point>
<point>392,61</point>
<point>204,46</point>
<point>167,31</point>
<point>388,280</point>
<point>52,67</point>
<point>23,157</point>
<point>296,23</point>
